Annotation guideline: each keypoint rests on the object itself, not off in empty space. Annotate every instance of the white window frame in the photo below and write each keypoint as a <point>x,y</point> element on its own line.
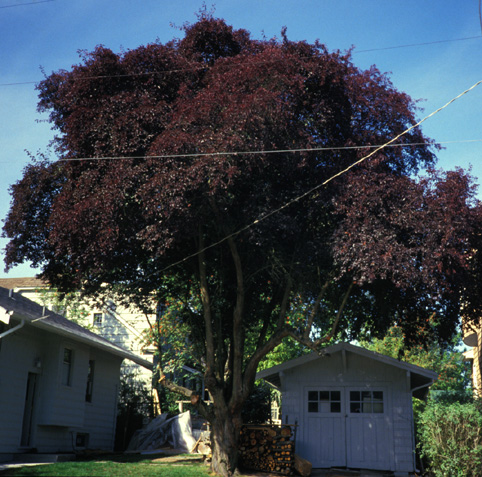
<point>67,366</point>
<point>98,319</point>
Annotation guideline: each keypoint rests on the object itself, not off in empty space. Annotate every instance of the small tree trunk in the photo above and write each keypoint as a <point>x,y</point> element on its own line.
<point>224,442</point>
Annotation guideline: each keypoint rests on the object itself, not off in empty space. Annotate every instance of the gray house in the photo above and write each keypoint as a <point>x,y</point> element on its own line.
<point>353,407</point>
<point>58,381</point>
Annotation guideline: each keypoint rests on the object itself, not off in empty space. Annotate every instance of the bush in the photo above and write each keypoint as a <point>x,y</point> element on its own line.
<point>450,436</point>
<point>134,407</point>
<point>256,409</point>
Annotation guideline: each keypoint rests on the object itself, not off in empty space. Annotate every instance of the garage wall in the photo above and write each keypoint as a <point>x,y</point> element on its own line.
<point>356,372</point>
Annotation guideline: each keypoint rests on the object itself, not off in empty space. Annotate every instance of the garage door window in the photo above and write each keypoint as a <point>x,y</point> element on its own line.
<point>324,401</point>
<point>366,402</point>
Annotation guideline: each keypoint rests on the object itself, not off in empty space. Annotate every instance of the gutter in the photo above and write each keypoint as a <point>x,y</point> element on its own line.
<point>422,386</point>
<point>414,437</point>
<point>12,330</point>
<point>9,314</point>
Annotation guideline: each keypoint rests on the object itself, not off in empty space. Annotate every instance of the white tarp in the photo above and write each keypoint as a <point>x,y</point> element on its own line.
<point>161,432</point>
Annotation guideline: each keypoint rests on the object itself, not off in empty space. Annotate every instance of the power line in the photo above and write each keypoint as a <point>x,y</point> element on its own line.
<point>22,83</point>
<point>480,14</point>
<point>272,151</point>
<point>319,186</point>
<point>418,44</point>
<point>29,3</point>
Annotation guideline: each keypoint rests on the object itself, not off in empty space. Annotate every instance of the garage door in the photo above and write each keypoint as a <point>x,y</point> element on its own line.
<point>347,427</point>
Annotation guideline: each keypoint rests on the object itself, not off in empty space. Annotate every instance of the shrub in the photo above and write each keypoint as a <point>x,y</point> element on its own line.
<point>256,409</point>
<point>451,438</point>
<point>134,407</point>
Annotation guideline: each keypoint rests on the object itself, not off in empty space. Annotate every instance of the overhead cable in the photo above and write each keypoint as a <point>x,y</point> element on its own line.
<point>354,52</point>
<point>29,3</point>
<point>259,152</point>
<point>319,186</point>
<point>417,44</point>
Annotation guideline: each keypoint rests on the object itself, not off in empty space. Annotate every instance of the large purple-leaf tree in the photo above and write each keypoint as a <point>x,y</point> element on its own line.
<point>178,173</point>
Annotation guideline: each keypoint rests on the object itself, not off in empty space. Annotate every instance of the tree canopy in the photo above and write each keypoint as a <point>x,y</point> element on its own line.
<point>184,170</point>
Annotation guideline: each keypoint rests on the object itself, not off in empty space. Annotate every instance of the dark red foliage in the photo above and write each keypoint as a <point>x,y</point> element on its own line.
<point>205,140</point>
<point>164,115</point>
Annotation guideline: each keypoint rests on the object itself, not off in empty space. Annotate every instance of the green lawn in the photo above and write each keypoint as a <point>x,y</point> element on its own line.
<point>119,466</point>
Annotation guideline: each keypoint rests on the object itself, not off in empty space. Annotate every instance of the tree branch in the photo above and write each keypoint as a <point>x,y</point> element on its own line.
<point>196,400</point>
<point>210,359</point>
<point>285,302</point>
<point>285,331</point>
<point>314,310</point>
<point>267,319</point>
<point>238,328</point>
<point>330,335</point>
<point>260,353</point>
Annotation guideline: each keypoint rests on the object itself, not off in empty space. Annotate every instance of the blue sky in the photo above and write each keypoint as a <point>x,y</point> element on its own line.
<point>444,59</point>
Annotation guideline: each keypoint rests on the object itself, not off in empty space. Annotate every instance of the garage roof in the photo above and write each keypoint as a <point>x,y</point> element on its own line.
<point>420,378</point>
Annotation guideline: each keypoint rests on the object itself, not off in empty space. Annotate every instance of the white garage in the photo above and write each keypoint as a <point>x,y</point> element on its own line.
<point>353,407</point>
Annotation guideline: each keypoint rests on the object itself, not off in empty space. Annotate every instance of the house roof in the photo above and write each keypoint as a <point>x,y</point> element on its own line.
<point>18,307</point>
<point>420,378</point>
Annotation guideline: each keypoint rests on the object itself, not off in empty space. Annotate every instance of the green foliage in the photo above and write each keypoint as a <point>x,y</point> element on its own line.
<point>168,401</point>
<point>288,349</point>
<point>170,335</point>
<point>453,372</point>
<point>453,383</point>
<point>68,304</point>
<point>256,409</point>
<point>451,439</point>
<point>134,408</point>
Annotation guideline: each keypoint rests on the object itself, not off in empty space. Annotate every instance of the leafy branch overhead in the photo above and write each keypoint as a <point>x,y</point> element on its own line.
<point>163,152</point>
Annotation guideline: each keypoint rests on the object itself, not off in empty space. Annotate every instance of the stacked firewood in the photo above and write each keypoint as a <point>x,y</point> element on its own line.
<point>267,448</point>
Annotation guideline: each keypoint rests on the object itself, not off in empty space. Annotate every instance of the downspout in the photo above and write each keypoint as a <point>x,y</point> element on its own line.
<point>12,330</point>
<point>414,437</point>
<point>10,313</point>
<point>422,386</point>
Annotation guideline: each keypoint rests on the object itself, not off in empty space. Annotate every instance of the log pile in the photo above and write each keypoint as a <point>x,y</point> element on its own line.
<point>267,448</point>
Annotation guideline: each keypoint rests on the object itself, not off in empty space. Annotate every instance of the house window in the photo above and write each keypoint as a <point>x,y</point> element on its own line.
<point>90,381</point>
<point>81,440</point>
<point>366,402</point>
<point>324,401</point>
<point>67,367</point>
<point>97,319</point>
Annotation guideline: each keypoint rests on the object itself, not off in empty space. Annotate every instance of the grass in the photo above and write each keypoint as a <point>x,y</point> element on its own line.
<point>119,466</point>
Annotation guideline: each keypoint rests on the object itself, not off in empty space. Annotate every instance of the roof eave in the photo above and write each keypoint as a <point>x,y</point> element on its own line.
<point>110,348</point>
<point>271,375</point>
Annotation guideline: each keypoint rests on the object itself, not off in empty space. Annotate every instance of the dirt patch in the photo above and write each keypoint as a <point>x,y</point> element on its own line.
<point>182,459</point>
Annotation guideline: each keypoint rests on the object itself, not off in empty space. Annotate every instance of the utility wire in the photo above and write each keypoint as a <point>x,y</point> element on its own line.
<point>417,44</point>
<point>480,15</point>
<point>29,3</point>
<point>22,83</point>
<point>319,186</point>
<point>272,151</point>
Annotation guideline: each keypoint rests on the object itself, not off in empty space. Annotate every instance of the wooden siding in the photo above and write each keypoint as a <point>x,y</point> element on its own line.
<point>63,405</point>
<point>100,414</point>
<point>16,361</point>
<point>358,372</point>
<point>60,411</point>
<point>123,327</point>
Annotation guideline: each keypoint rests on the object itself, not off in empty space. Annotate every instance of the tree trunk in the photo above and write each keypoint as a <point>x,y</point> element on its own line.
<point>224,442</point>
